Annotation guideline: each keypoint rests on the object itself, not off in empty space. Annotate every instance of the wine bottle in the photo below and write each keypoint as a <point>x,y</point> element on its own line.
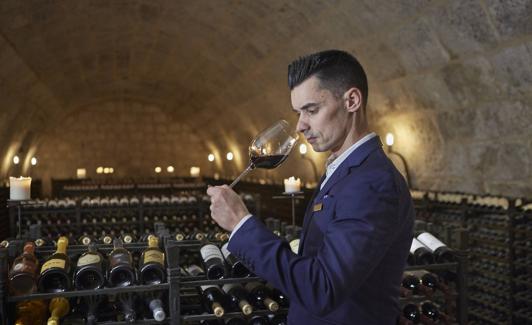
<point>55,271</point>
<point>422,255</point>
<point>428,280</point>
<point>152,263</point>
<point>236,267</point>
<point>179,236</point>
<point>85,239</point>
<point>430,311</point>
<point>91,305</point>
<point>278,296</point>
<point>128,238</point>
<point>194,270</point>
<point>156,306</point>
<point>127,306</point>
<point>411,313</point>
<point>237,297</point>
<point>212,299</point>
<point>90,270</point>
<point>121,271</point>
<point>260,296</point>
<point>442,253</point>
<point>58,307</point>
<point>196,235</point>
<point>31,312</point>
<point>23,272</point>
<point>106,239</point>
<point>409,285</point>
<point>213,261</point>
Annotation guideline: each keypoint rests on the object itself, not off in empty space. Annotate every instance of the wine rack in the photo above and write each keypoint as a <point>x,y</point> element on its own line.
<point>452,302</point>
<point>178,288</point>
<point>495,232</point>
<point>96,216</point>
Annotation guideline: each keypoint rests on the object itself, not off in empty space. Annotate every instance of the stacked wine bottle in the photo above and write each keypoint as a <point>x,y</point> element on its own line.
<point>429,288</point>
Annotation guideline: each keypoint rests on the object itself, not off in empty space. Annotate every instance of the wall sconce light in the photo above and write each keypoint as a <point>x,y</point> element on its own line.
<point>194,171</point>
<point>229,156</point>
<point>158,169</point>
<point>210,157</point>
<point>303,152</point>
<point>16,160</point>
<point>33,161</point>
<point>389,143</point>
<point>99,170</point>
<point>81,173</point>
<point>170,169</point>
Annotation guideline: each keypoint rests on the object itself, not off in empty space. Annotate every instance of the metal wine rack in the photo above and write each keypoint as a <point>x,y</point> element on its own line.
<point>495,232</point>
<point>76,219</point>
<point>454,303</point>
<point>176,289</point>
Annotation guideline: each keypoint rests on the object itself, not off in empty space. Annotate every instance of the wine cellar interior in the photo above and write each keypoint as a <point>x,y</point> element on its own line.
<point>124,113</point>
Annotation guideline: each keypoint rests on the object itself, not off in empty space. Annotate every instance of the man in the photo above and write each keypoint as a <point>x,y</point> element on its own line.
<point>358,226</point>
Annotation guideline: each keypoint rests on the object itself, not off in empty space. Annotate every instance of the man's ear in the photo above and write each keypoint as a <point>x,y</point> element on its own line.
<point>353,99</point>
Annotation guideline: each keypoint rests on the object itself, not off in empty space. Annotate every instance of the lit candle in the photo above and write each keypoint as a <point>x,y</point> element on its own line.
<point>19,188</point>
<point>292,185</point>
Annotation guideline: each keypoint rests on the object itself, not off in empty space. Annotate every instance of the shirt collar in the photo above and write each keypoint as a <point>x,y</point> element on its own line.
<point>333,163</point>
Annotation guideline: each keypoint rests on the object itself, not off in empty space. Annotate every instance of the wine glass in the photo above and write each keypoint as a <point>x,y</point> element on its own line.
<point>270,148</point>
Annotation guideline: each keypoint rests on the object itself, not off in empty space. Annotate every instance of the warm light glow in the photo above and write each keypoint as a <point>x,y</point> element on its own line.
<point>194,171</point>
<point>33,161</point>
<point>16,160</point>
<point>106,170</point>
<point>389,139</point>
<point>111,170</point>
<point>99,170</point>
<point>302,148</point>
<point>211,157</point>
<point>170,169</point>
<point>158,169</point>
<point>229,155</point>
<point>81,173</point>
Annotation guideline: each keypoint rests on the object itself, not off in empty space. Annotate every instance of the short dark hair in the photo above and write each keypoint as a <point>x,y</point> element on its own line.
<point>337,71</point>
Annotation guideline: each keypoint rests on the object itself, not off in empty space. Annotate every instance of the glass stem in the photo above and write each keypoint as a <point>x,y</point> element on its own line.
<point>244,173</point>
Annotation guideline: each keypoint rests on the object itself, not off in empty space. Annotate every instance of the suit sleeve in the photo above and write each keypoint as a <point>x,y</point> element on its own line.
<point>354,242</point>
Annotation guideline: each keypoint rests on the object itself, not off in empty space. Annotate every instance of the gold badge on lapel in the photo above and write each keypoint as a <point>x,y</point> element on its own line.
<point>317,207</point>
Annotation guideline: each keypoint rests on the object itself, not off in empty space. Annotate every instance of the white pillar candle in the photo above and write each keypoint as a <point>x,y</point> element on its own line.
<point>292,185</point>
<point>19,188</point>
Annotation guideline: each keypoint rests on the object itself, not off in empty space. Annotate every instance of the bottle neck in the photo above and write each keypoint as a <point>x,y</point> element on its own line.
<point>62,244</point>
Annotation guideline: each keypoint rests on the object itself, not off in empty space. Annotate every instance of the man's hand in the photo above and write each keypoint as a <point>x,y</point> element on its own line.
<point>227,208</point>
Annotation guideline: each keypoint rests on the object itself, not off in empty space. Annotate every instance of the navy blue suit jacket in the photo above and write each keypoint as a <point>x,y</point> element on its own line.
<point>353,247</point>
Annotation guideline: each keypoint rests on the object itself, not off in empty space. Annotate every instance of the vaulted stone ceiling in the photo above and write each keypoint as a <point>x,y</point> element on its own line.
<point>451,79</point>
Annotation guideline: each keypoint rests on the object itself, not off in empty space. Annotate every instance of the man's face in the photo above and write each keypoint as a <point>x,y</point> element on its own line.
<point>322,116</point>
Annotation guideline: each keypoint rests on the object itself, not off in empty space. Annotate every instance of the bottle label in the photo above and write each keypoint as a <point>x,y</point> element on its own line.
<point>225,251</point>
<point>58,263</point>
<point>205,287</point>
<point>154,256</point>
<point>415,245</point>
<point>430,241</point>
<point>89,259</point>
<point>210,251</point>
<point>294,245</point>
<point>194,270</point>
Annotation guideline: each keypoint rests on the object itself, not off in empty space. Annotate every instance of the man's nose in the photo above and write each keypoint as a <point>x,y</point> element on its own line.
<point>302,124</point>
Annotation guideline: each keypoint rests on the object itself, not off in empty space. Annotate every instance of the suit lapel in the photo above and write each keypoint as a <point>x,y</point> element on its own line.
<point>354,159</point>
